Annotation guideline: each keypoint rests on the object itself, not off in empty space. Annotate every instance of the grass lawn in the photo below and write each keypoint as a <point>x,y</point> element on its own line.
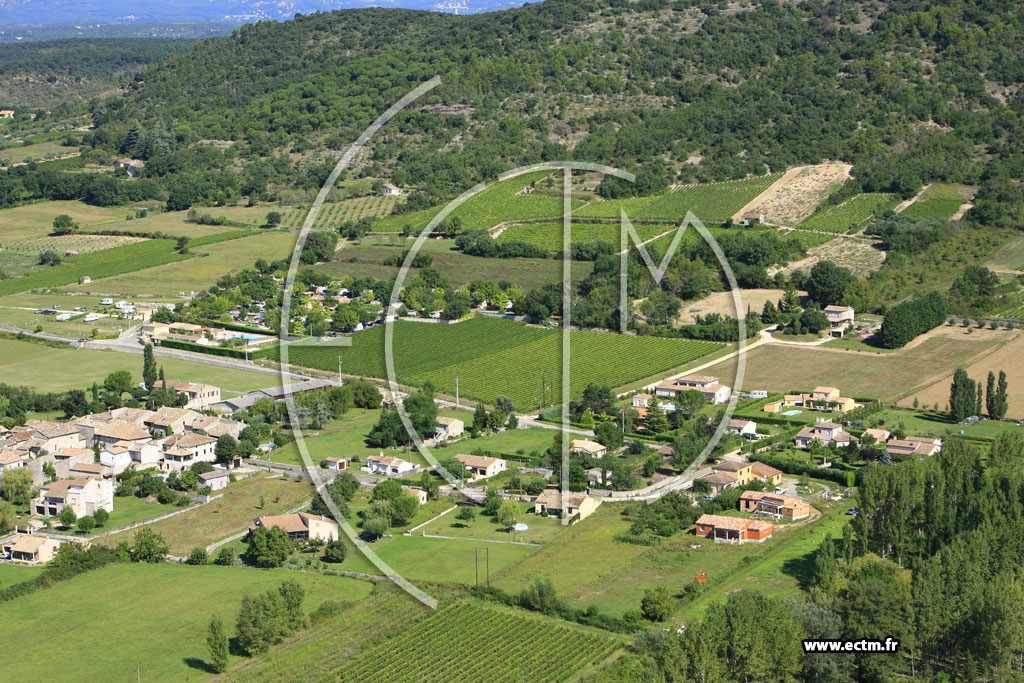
<point>37,152</point>
<point>197,273</point>
<point>437,559</point>
<point>853,342</point>
<point>1010,255</point>
<point>931,423</point>
<point>11,574</point>
<point>35,220</point>
<point>616,577</point>
<point>542,529</point>
<point>127,510</point>
<point>163,633</point>
<point>174,222</point>
<point>341,438</point>
<point>510,441</point>
<point>50,369</point>
<point>228,515</point>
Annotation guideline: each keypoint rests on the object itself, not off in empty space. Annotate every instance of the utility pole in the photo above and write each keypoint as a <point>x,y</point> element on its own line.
<point>457,391</point>
<point>339,370</point>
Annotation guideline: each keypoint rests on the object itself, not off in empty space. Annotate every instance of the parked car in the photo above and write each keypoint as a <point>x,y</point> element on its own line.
<point>39,311</point>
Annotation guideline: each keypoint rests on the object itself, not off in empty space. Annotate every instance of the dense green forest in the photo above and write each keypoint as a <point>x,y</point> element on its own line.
<point>908,91</point>
<point>49,73</point>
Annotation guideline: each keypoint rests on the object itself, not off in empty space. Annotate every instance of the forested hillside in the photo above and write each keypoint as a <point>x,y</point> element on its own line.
<point>908,91</point>
<point>49,73</point>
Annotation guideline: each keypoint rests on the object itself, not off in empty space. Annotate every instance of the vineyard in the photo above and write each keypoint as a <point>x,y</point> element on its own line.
<point>500,203</point>
<point>851,214</point>
<point>549,235</point>
<point>467,642</point>
<point>493,357</point>
<point>333,214</point>
<point>710,202</point>
<point>939,201</point>
<point>83,244</point>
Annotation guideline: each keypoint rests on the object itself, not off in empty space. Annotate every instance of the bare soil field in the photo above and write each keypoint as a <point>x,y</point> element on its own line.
<point>721,302</point>
<point>794,196</point>
<point>1006,357</point>
<point>856,254</point>
<point>893,376</point>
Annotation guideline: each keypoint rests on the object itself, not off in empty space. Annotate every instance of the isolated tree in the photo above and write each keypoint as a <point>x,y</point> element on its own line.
<point>375,526</point>
<point>990,395</point>
<point>656,604</point>
<point>217,644</point>
<point>16,485</point>
<point>267,547</point>
<point>101,516</point>
<point>249,626</point>
<point>405,507</point>
<point>609,434</point>
<point>74,403</point>
<point>479,418</point>
<point>118,382</point>
<point>197,556</point>
<point>225,449</point>
<point>335,551</point>
<point>86,524</point>
<point>828,282</point>
<point>63,223</point>
<point>273,218</point>
<point>148,367</point>
<point>466,514</point>
<point>225,557</point>
<point>148,546</point>
<point>67,517</point>
<point>508,513</point>
<point>769,313</point>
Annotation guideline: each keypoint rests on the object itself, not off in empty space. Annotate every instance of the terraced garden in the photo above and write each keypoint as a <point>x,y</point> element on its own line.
<point>852,214</point>
<point>468,642</point>
<point>495,357</point>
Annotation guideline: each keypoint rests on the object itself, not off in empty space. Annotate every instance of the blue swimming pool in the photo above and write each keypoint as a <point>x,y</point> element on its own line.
<point>791,413</point>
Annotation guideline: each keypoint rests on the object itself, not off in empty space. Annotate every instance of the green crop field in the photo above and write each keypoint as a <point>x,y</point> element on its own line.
<point>549,235</point>
<point>940,200</point>
<point>111,262</point>
<point>493,356</point>
<point>35,152</point>
<point>499,203</point>
<point>36,220</point>
<point>469,642</point>
<point>207,263</point>
<point>333,214</point>
<point>45,368</point>
<point>853,213</point>
<point>710,202</point>
<point>164,630</point>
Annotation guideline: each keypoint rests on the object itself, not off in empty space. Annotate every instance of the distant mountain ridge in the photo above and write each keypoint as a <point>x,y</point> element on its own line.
<point>49,12</point>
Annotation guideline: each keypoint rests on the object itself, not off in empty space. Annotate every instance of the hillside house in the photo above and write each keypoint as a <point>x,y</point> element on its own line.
<point>733,529</point>
<point>84,495</point>
<point>720,481</point>
<point>9,460</point>
<point>31,549</point>
<point>588,447</point>
<point>110,433</point>
<point>752,218</point>
<point>90,469</point>
<point>216,480</point>
<point>301,526</point>
<point>913,446</point>
<point>448,428</point>
<point>839,319</point>
<point>708,386</point>
<point>480,466</point>
<point>743,428</point>
<point>879,435</point>
<point>335,464</point>
<point>741,471</point>
<point>390,190</point>
<point>828,433</point>
<point>186,449</point>
<point>564,506</point>
<point>641,400</point>
<point>774,505</point>
<point>822,398</point>
<point>387,465</point>
<point>766,473</point>
<point>131,166</point>
<point>200,396</point>
<point>416,492</point>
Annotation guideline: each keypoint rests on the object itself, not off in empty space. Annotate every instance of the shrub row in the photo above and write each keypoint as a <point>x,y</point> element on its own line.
<point>266,352</point>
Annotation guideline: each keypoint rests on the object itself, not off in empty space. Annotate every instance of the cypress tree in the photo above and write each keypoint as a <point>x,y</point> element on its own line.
<point>990,395</point>
<point>1002,401</point>
<point>217,642</point>
<point>148,368</point>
